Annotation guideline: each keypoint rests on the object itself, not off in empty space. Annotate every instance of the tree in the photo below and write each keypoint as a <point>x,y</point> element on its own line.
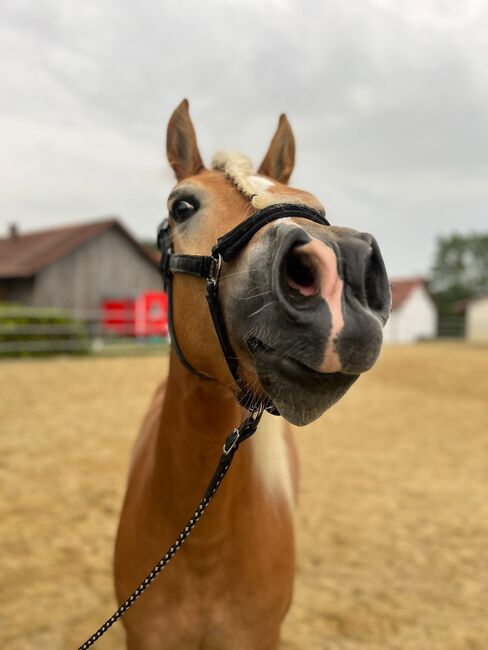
<point>460,270</point>
<point>461,260</point>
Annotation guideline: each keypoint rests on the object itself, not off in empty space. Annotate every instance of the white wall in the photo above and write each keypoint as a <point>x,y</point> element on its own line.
<point>477,320</point>
<point>416,318</point>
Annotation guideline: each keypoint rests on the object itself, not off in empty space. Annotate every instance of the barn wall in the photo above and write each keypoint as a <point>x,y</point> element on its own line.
<point>415,319</point>
<point>108,265</point>
<point>16,290</point>
<point>477,320</point>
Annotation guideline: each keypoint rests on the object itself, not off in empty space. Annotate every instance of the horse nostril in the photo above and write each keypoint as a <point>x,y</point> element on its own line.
<point>300,273</point>
<point>376,285</point>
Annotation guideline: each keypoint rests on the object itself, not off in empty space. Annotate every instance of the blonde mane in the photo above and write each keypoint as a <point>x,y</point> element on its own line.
<point>239,170</point>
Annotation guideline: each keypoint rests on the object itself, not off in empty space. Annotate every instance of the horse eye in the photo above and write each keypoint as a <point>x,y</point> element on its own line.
<point>182,210</point>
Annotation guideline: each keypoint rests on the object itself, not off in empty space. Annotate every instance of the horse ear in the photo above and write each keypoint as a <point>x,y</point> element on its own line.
<point>181,143</point>
<point>280,158</point>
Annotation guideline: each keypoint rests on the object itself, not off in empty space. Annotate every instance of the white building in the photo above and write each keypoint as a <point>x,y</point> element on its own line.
<point>477,319</point>
<point>413,313</point>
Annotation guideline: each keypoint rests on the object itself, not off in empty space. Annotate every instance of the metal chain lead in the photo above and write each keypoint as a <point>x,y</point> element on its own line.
<point>231,445</point>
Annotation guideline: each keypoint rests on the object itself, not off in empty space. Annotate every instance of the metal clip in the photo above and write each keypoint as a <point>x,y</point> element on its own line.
<point>214,272</point>
<point>256,412</point>
<point>231,442</point>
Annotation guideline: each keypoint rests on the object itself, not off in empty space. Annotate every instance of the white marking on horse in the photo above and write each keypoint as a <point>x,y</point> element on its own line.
<point>238,169</point>
<point>260,183</point>
<point>271,458</point>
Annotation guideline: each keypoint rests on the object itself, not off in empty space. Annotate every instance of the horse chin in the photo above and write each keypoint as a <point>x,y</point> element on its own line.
<point>299,393</point>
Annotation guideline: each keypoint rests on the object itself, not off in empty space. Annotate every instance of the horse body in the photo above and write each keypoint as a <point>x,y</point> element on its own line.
<point>230,586</point>
<point>303,305</point>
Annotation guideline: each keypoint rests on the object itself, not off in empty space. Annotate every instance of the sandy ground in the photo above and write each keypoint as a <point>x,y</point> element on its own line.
<point>393,518</point>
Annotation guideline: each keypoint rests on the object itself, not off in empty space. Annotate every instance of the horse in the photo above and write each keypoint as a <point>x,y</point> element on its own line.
<point>302,304</point>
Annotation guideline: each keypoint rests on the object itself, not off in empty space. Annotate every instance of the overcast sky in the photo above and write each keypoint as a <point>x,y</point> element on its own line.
<point>388,100</point>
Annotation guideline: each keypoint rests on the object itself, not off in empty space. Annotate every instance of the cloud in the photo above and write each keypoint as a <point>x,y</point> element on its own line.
<point>388,101</point>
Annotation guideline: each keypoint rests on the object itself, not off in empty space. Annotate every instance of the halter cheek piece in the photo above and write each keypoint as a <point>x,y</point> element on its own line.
<point>208,267</point>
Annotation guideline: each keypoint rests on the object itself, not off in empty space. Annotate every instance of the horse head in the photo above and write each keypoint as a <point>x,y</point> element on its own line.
<point>302,303</point>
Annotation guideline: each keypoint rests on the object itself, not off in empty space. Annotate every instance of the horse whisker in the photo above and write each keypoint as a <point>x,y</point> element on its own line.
<point>256,295</point>
<point>229,275</point>
<point>261,308</point>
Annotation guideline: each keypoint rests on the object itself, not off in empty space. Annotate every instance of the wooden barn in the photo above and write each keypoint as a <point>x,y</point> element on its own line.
<point>413,313</point>
<point>75,267</point>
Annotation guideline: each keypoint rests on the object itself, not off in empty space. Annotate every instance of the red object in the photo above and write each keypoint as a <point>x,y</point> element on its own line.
<point>146,315</point>
<point>152,314</point>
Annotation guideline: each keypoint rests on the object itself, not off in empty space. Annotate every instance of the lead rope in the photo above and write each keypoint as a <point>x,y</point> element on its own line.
<point>232,443</point>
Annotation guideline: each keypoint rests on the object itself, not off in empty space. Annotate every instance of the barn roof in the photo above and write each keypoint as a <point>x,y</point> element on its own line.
<point>401,290</point>
<point>23,255</point>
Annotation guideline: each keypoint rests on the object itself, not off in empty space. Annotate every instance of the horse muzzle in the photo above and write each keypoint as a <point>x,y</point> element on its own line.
<point>312,322</point>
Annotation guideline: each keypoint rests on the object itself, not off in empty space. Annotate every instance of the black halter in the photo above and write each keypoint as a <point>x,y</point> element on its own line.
<point>209,267</point>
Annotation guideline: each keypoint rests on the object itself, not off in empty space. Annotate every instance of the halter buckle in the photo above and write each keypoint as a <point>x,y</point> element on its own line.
<point>231,441</point>
<point>214,271</point>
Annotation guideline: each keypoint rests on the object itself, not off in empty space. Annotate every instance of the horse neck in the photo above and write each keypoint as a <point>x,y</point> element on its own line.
<point>196,417</point>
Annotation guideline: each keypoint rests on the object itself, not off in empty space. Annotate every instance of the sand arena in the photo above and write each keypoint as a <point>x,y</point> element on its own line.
<point>392,522</point>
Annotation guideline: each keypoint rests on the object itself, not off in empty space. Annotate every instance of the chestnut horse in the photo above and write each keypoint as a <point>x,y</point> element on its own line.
<point>303,305</point>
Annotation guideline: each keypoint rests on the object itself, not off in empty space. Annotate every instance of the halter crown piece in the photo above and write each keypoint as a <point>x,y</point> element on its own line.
<point>209,267</point>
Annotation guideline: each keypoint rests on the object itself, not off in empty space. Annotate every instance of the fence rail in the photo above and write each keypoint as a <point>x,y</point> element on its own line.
<point>30,331</point>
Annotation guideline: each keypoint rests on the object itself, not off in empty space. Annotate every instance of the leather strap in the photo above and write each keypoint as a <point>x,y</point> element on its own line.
<point>232,242</point>
<point>198,265</point>
<point>172,333</point>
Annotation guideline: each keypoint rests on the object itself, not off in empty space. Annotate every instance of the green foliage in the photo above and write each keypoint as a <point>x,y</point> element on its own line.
<point>460,270</point>
<point>30,331</point>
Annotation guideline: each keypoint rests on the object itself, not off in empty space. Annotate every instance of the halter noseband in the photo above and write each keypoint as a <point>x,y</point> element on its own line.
<point>209,266</point>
